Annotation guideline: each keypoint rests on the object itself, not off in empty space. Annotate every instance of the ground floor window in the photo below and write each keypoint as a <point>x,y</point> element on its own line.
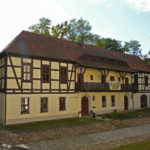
<point>24,105</point>
<point>103,101</point>
<point>112,100</point>
<point>62,103</point>
<point>44,104</point>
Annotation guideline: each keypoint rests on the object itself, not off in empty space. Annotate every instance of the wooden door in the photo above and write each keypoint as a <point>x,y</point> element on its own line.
<point>125,103</point>
<point>84,106</point>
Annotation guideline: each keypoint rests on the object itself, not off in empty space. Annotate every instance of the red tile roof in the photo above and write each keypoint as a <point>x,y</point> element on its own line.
<point>31,44</point>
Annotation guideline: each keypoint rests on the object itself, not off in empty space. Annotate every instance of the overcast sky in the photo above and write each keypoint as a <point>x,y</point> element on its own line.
<point>123,20</point>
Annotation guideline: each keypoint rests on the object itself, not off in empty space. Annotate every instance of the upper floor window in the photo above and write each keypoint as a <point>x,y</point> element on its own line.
<point>103,79</point>
<point>126,80</point>
<point>26,72</point>
<point>93,98</point>
<point>80,77</point>
<point>136,79</point>
<point>62,103</point>
<point>63,74</point>
<point>112,78</point>
<point>119,79</point>
<point>44,104</point>
<point>91,77</point>
<point>146,80</point>
<point>103,101</point>
<point>45,73</point>
<point>24,105</point>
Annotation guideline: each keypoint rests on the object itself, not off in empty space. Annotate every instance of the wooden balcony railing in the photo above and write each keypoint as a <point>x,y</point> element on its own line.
<point>96,87</point>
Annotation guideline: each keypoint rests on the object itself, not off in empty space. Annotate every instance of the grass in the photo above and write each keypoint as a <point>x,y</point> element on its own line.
<point>51,124</point>
<point>129,114</point>
<point>135,146</point>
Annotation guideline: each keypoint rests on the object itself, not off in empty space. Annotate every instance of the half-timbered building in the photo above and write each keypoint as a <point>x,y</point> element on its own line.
<point>43,78</point>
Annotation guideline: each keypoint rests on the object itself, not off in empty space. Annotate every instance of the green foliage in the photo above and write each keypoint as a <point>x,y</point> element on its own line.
<point>51,124</point>
<point>135,146</point>
<point>80,31</point>
<point>133,47</point>
<point>60,30</point>
<point>75,30</point>
<point>110,44</point>
<point>146,57</point>
<point>43,27</point>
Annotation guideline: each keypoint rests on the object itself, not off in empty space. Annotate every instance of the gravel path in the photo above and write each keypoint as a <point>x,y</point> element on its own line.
<point>89,140</point>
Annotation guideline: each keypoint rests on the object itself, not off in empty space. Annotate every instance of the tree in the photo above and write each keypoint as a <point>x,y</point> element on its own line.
<point>75,30</point>
<point>133,47</point>
<point>146,57</point>
<point>43,27</point>
<point>60,30</point>
<point>83,29</point>
<point>110,44</point>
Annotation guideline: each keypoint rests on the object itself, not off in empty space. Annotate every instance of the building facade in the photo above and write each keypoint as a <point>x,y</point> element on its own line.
<point>44,78</point>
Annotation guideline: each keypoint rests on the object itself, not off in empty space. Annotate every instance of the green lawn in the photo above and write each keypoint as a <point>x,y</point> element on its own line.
<point>135,146</point>
<point>128,114</point>
<point>69,122</point>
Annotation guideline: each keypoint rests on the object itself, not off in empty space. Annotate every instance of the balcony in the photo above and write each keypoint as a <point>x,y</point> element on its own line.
<point>99,87</point>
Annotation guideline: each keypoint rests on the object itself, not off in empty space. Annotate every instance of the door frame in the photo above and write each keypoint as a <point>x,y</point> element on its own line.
<point>87,99</point>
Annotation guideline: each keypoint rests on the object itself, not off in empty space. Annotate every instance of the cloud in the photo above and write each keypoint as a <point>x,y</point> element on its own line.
<point>140,5</point>
<point>95,1</point>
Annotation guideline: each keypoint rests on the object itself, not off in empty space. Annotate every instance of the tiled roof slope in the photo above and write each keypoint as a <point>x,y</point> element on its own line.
<point>27,43</point>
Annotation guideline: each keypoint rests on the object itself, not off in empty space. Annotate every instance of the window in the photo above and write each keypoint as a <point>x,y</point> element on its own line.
<point>103,79</point>
<point>126,81</point>
<point>91,77</point>
<point>62,103</point>
<point>44,104</point>
<point>146,80</point>
<point>103,101</point>
<point>136,79</point>
<point>93,98</point>
<point>63,75</point>
<point>24,105</point>
<point>112,78</point>
<point>119,79</point>
<point>26,72</point>
<point>80,77</point>
<point>45,73</point>
<point>112,100</point>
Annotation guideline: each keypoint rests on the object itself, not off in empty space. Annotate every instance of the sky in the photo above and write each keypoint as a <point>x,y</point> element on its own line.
<point>123,20</point>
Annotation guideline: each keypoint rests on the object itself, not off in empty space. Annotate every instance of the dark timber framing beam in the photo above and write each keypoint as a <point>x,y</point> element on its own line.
<point>14,72</point>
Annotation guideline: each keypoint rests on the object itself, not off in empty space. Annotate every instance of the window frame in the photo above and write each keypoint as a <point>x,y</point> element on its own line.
<point>126,80</point>
<point>42,111</point>
<point>63,77</point>
<point>112,78</point>
<point>113,104</point>
<point>103,79</point>
<point>91,77</point>
<point>146,80</point>
<point>60,108</point>
<point>45,74</point>
<point>24,112</point>
<point>25,72</point>
<point>104,104</point>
